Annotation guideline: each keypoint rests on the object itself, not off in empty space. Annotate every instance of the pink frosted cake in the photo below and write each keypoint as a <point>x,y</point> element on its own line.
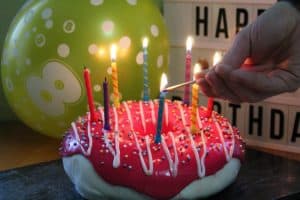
<point>126,163</point>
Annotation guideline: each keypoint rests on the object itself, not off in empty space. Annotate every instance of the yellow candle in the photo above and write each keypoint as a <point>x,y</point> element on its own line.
<point>114,71</point>
<point>195,99</point>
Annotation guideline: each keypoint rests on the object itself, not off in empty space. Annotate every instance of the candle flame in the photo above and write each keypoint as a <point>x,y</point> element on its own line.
<point>197,69</point>
<point>189,43</point>
<point>145,42</point>
<point>217,57</point>
<point>113,52</point>
<point>163,82</point>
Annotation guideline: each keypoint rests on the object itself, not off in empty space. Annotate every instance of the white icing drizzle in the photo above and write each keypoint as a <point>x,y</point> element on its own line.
<point>228,157</point>
<point>166,107</point>
<point>203,169</point>
<point>115,152</point>
<point>102,113</point>
<point>142,116</point>
<point>172,164</point>
<point>116,119</point>
<point>150,160</point>
<point>181,113</point>
<point>88,151</point>
<point>200,167</point>
<point>152,112</point>
<point>128,115</point>
<point>233,139</point>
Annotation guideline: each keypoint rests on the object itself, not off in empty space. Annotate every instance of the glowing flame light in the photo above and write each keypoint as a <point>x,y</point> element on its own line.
<point>217,57</point>
<point>145,42</point>
<point>189,43</point>
<point>197,69</point>
<point>163,82</point>
<point>113,52</point>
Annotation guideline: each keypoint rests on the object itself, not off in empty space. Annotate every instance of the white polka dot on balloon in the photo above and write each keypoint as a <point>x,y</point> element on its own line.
<point>125,42</point>
<point>96,2</point>
<point>93,49</point>
<point>154,30</point>
<point>27,61</point>
<point>112,96</point>
<point>15,52</point>
<point>47,13</point>
<point>27,35</point>
<point>109,70</point>
<point>34,29</point>
<point>63,50</point>
<point>108,26</point>
<point>160,61</point>
<point>132,2</point>
<point>49,24</point>
<point>69,26</point>
<point>139,58</point>
<point>40,40</point>
<point>9,84</point>
<point>18,71</point>
<point>97,88</point>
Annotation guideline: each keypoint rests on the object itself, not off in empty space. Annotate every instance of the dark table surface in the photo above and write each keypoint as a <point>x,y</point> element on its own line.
<point>262,176</point>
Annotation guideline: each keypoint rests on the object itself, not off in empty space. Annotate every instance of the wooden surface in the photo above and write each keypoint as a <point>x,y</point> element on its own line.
<point>21,146</point>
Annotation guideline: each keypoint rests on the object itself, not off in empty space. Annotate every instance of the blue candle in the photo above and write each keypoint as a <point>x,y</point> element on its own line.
<point>160,116</point>
<point>145,69</point>
<point>162,97</point>
<point>106,105</point>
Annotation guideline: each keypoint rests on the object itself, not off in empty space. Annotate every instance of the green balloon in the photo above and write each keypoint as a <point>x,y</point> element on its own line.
<point>49,43</point>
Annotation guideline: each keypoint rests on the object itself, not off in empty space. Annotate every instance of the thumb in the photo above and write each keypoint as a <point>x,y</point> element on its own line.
<point>260,39</point>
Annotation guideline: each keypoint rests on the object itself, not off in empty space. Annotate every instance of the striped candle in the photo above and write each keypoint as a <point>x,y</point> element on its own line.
<point>195,99</point>
<point>145,69</point>
<point>188,61</point>
<point>114,74</point>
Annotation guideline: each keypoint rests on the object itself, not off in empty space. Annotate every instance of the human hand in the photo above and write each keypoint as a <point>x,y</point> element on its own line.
<point>272,43</point>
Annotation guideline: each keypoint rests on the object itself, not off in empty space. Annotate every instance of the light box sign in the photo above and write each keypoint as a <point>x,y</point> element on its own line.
<point>274,123</point>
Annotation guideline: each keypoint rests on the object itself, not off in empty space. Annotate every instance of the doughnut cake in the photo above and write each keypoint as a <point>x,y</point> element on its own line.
<point>126,163</point>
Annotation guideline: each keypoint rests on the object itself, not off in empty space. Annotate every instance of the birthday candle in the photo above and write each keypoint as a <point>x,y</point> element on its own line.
<point>188,60</point>
<point>87,80</point>
<point>195,98</point>
<point>114,74</point>
<point>162,96</point>
<point>210,103</point>
<point>145,69</point>
<point>106,105</point>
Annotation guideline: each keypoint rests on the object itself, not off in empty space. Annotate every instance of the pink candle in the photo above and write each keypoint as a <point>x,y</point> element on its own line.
<point>188,61</point>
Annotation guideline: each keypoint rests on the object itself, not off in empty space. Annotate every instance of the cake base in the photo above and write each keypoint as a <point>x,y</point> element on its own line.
<point>91,186</point>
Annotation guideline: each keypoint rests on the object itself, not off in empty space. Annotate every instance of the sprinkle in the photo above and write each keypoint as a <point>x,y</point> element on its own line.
<point>188,157</point>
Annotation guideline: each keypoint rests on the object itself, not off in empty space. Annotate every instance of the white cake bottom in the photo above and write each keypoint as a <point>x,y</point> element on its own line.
<point>91,186</point>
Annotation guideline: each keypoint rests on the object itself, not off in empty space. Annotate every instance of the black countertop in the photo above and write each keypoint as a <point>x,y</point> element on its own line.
<point>262,177</point>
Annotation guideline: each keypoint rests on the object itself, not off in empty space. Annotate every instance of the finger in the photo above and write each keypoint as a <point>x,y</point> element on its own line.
<point>220,87</point>
<point>260,39</point>
<point>268,83</point>
<point>205,87</point>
